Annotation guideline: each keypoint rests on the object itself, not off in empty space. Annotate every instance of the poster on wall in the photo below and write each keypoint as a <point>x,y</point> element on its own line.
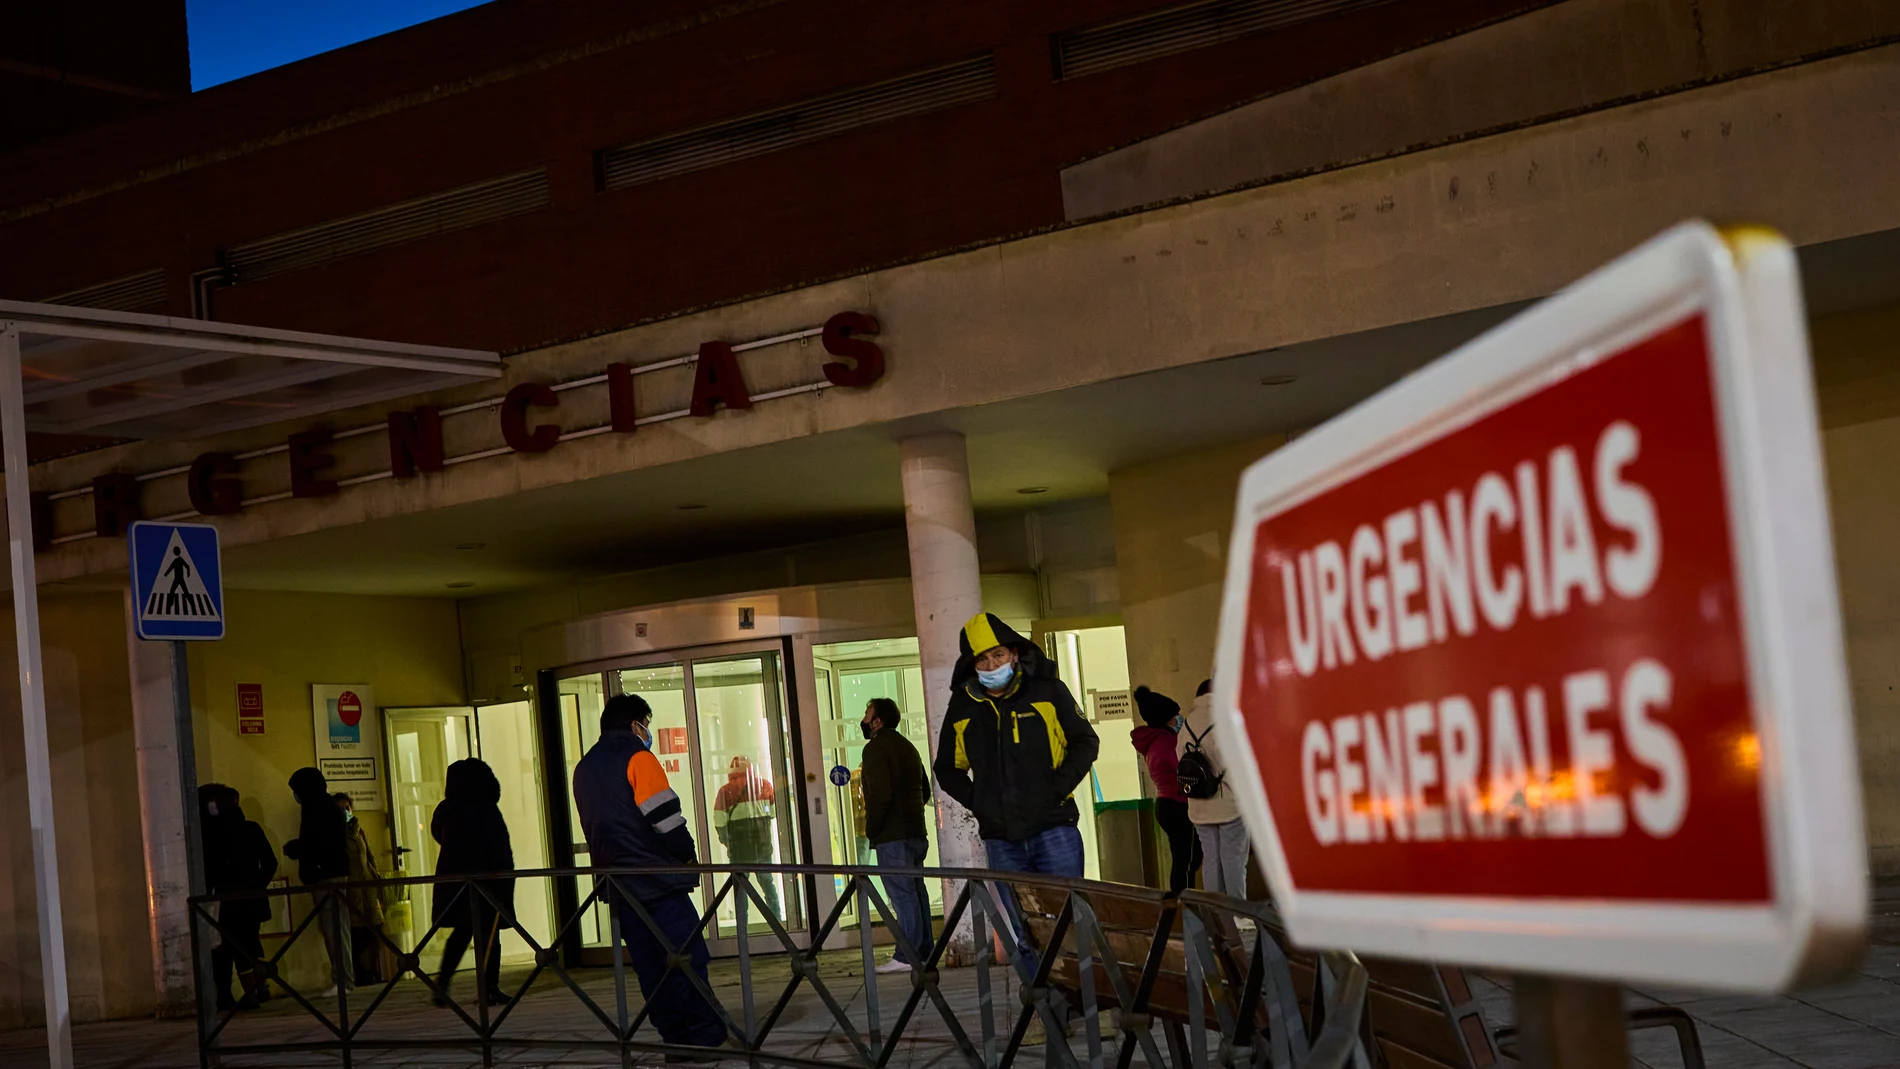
<point>349,737</point>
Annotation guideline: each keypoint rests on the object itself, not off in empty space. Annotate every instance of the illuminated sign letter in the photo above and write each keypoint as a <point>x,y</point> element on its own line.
<point>514,418</point>
<point>308,459</point>
<point>213,484</point>
<point>844,336</point>
<point>115,504</point>
<point>620,398</point>
<point>716,380</point>
<point>415,442</point>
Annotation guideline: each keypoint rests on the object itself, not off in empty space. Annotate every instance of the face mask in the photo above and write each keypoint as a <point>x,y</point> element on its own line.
<point>211,808</point>
<point>644,733</point>
<point>1176,725</point>
<point>996,679</point>
<point>865,726</point>
<point>349,817</point>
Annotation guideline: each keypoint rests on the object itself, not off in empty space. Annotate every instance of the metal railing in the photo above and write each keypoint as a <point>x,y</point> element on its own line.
<point>1195,980</point>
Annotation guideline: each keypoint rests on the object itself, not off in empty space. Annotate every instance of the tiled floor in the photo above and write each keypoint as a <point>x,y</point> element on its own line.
<point>1854,1025</point>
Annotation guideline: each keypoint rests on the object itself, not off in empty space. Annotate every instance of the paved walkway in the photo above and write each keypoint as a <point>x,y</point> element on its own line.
<point>1855,1025</point>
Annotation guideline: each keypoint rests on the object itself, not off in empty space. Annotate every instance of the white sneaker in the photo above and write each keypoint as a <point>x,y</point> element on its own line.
<point>893,966</point>
<point>324,995</point>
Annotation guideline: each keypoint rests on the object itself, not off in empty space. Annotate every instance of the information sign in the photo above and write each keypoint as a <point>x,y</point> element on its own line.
<point>1534,659</point>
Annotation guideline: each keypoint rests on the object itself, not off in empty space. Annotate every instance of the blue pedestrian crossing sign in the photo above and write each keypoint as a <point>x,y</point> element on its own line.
<point>177,585</point>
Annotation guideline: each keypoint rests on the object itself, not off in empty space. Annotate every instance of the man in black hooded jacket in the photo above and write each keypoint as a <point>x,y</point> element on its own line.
<point>1013,750</point>
<point>322,852</point>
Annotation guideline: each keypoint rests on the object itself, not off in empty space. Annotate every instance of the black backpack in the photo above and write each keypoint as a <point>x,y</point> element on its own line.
<point>1195,771</point>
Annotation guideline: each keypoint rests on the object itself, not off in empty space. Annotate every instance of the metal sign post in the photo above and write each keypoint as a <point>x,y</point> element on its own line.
<point>178,597</point>
<point>1533,661</point>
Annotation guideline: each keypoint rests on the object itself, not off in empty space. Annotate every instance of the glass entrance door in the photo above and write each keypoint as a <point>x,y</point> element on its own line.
<point>850,674</point>
<point>422,744</point>
<point>721,732</point>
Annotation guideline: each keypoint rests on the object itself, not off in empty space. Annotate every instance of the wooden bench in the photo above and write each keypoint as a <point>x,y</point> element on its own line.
<point>1420,1016</point>
<point>1128,927</point>
<point>1427,1016</point>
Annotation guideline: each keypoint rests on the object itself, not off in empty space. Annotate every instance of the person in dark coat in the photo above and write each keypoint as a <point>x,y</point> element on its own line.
<point>237,858</point>
<point>474,839</point>
<point>366,903</point>
<point>1155,739</point>
<point>895,787</point>
<point>1013,749</point>
<point>632,820</point>
<point>322,852</point>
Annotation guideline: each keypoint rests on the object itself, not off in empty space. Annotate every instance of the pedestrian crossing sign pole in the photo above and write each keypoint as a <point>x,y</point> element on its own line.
<point>178,597</point>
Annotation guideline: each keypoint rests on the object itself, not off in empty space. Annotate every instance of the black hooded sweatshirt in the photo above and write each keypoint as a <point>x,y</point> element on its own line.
<point>474,840</point>
<point>1014,759</point>
<point>321,848</point>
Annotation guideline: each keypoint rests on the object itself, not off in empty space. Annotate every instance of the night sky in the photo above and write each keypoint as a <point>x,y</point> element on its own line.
<point>233,38</point>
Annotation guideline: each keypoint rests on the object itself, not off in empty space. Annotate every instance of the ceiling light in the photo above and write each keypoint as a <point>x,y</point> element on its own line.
<point>691,507</point>
<point>1278,380</point>
<point>471,545</point>
<point>463,585</point>
<point>1033,490</point>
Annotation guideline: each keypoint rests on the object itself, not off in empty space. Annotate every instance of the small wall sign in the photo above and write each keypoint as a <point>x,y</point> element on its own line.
<point>250,708</point>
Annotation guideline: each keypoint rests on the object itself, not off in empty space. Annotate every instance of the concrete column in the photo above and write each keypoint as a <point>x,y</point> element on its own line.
<point>946,591</point>
<point>167,880</point>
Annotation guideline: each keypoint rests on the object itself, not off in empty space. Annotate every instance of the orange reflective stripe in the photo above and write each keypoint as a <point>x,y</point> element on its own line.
<point>647,776</point>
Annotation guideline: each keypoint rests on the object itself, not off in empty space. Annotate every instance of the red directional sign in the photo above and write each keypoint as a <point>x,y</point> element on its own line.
<point>1535,659</point>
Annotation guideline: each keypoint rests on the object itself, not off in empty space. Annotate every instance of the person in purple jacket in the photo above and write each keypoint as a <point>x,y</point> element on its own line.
<point>1155,738</point>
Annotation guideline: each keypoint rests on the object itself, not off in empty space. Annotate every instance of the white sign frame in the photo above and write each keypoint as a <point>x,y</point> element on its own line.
<point>1814,928</point>
<point>366,795</point>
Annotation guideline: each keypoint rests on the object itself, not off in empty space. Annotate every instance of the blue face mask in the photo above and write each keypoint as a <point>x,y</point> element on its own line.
<point>997,678</point>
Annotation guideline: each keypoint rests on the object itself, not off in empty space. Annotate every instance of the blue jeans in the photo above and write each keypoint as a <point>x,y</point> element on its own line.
<point>1055,852</point>
<point>910,898</point>
<point>679,1010</point>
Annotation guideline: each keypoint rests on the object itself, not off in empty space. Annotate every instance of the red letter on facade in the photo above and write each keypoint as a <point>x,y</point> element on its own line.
<point>40,505</point>
<point>213,484</point>
<point>514,418</point>
<point>415,442</point>
<point>844,337</point>
<point>115,504</point>
<point>620,398</point>
<point>716,380</point>
<point>308,459</point>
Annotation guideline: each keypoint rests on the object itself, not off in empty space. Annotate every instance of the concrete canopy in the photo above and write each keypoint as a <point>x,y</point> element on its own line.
<point>128,375</point>
<point>140,376</point>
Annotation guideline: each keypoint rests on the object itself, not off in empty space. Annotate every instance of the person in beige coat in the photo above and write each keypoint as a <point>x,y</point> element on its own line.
<point>1224,841</point>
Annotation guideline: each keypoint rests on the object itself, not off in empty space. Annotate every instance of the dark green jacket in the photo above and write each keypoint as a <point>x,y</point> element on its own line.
<point>895,787</point>
<point>1015,759</point>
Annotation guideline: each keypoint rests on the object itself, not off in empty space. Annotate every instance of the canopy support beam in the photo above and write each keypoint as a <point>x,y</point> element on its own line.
<point>32,676</point>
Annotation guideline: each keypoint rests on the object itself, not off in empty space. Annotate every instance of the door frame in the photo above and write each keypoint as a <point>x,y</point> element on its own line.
<point>563,835</point>
<point>390,716</point>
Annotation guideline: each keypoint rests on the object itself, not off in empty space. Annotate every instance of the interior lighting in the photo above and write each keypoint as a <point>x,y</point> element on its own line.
<point>471,545</point>
<point>463,585</point>
<point>693,506</point>
<point>1278,380</point>
<point>1032,490</point>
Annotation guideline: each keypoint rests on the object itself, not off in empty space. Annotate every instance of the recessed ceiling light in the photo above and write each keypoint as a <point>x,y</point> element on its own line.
<point>463,585</point>
<point>1033,490</point>
<point>471,545</point>
<point>691,507</point>
<point>1278,380</point>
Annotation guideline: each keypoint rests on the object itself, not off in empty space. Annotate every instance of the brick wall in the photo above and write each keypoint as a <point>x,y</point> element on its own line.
<point>519,84</point>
